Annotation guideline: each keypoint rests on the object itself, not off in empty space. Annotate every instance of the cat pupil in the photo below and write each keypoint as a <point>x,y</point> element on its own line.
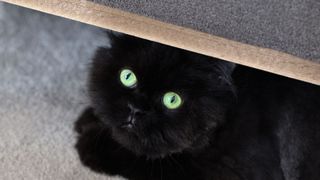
<point>173,99</point>
<point>128,76</point>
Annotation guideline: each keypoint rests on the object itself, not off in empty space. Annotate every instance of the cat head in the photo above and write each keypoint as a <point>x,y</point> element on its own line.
<point>158,100</point>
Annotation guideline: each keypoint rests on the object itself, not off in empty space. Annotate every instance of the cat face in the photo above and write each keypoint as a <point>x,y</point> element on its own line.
<point>158,100</point>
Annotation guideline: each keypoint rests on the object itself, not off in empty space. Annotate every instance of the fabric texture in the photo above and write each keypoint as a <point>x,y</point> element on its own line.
<point>43,68</point>
<point>291,26</point>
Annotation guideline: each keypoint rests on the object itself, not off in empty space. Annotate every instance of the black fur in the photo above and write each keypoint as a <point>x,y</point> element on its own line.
<point>234,124</point>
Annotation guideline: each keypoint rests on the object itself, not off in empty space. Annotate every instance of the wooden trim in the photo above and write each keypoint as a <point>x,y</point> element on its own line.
<point>147,28</point>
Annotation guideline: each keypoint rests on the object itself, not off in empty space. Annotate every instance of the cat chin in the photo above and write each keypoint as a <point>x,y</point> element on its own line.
<point>141,148</point>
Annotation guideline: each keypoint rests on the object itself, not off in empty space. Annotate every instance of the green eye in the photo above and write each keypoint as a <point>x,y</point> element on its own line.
<point>172,100</point>
<point>128,78</point>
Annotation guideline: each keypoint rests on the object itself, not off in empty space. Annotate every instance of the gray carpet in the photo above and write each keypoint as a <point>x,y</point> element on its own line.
<point>43,62</point>
<point>291,26</point>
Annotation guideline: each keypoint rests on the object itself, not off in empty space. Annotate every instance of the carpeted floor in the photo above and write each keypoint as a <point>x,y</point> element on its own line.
<point>43,62</point>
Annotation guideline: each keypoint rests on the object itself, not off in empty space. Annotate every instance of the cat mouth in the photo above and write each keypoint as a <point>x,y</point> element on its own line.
<point>129,137</point>
<point>129,123</point>
<point>126,125</point>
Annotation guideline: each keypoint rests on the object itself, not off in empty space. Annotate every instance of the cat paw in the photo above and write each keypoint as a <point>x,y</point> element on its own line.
<point>89,159</point>
<point>86,121</point>
<point>94,149</point>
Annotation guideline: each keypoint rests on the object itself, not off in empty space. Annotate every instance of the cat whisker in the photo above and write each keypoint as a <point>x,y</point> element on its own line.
<point>161,169</point>
<point>176,162</point>
<point>151,173</point>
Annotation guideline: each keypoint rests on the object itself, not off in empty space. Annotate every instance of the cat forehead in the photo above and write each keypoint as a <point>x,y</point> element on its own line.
<point>156,65</point>
<point>158,71</point>
<point>164,65</point>
<point>160,81</point>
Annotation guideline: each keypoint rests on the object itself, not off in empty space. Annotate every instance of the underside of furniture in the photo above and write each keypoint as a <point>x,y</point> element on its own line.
<point>281,37</point>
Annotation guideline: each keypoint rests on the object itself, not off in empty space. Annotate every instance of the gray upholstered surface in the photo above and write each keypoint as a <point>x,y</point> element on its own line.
<point>291,26</point>
<point>43,62</point>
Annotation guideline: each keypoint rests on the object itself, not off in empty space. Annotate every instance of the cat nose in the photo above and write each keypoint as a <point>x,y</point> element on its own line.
<point>131,120</point>
<point>134,110</point>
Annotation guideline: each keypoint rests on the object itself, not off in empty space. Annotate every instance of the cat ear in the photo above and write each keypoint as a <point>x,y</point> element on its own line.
<point>115,36</point>
<point>114,33</point>
<point>226,69</point>
<point>124,41</point>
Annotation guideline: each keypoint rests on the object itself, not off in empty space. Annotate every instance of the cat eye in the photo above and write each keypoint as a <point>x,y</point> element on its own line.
<point>172,100</point>
<point>128,78</point>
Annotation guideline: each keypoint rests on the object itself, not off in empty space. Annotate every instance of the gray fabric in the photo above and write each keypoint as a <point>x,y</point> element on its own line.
<point>43,62</point>
<point>291,26</point>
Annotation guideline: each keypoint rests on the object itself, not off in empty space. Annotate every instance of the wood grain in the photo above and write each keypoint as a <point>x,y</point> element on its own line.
<point>147,28</point>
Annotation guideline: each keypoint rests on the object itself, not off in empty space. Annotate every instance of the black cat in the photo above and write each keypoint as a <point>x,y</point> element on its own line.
<point>162,113</point>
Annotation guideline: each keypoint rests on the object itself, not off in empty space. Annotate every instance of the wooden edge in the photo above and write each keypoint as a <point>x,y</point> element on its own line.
<point>147,28</point>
